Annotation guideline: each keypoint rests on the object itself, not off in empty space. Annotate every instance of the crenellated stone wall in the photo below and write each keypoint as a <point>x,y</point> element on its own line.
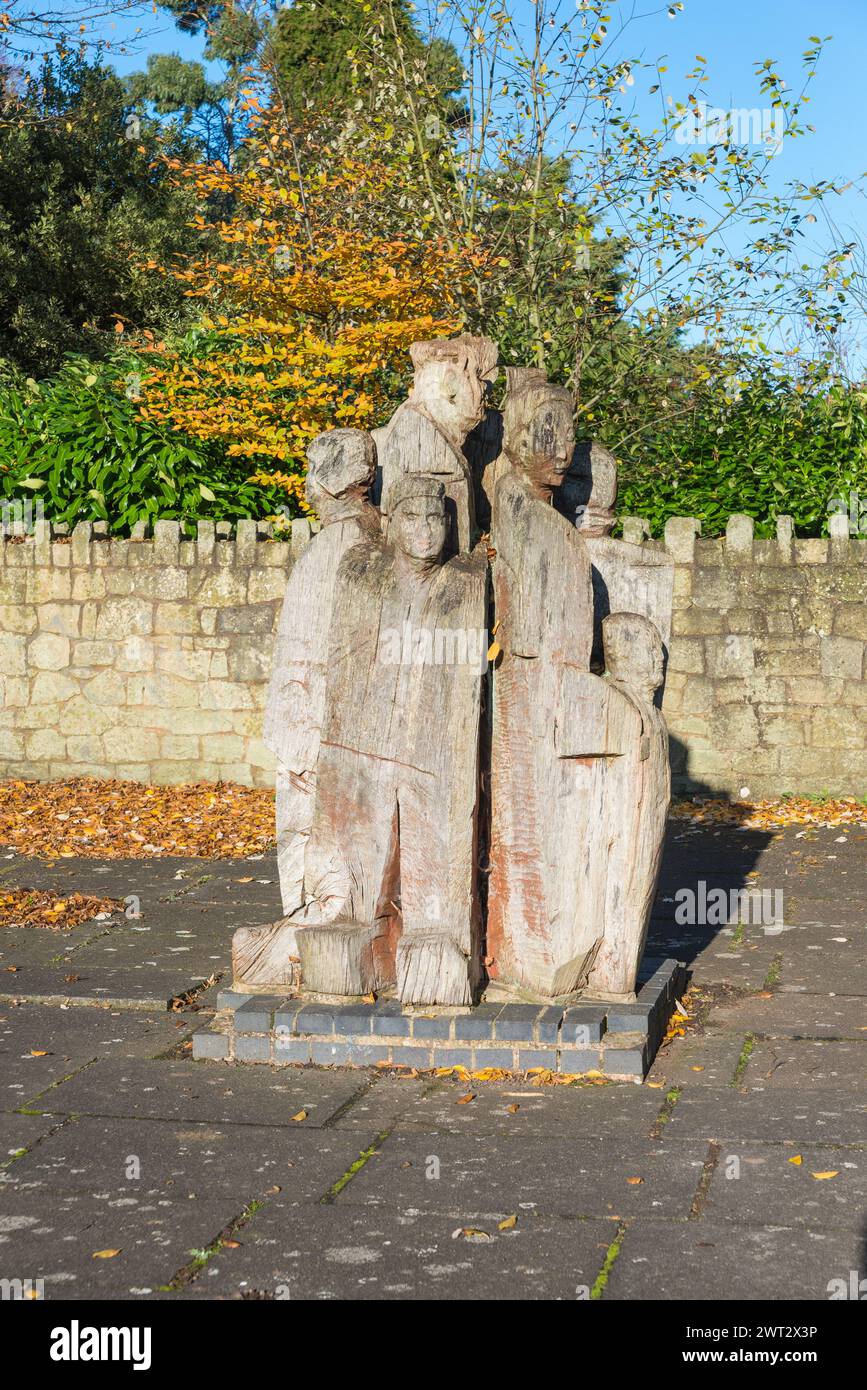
<point>148,658</point>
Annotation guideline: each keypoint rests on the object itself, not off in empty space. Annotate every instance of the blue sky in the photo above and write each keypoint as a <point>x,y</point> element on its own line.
<point>731,34</point>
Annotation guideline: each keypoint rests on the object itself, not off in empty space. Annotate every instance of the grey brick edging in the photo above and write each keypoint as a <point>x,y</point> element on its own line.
<point>614,1040</point>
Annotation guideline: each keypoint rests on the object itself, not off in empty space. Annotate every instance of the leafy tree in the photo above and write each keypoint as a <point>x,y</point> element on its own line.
<point>212,110</point>
<point>321,52</point>
<point>311,313</point>
<point>83,203</point>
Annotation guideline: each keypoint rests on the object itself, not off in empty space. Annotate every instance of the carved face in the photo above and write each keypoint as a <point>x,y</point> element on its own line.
<point>452,394</point>
<point>419,528</point>
<point>550,441</point>
<point>636,659</point>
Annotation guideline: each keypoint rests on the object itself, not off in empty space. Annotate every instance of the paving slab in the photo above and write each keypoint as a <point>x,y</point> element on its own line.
<point>327,1252</point>
<point>701,1060</point>
<point>783,1116</point>
<point>19,1132</point>
<point>808,1065</point>
<point>154,1158</point>
<point>40,1045</point>
<point>754,1184</point>
<point>474,1176</point>
<point>55,1238</point>
<point>776,1015</point>
<point>199,1091</point>
<point>517,1110</point>
<point>703,1260</point>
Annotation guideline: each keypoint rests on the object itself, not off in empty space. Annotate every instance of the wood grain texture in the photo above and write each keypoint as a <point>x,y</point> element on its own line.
<point>393,841</point>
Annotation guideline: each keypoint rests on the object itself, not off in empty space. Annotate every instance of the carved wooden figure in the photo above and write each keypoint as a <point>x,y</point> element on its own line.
<point>390,868</point>
<point>626,578</point>
<point>544,609</point>
<point>427,433</point>
<point>341,468</point>
<point>616,744</point>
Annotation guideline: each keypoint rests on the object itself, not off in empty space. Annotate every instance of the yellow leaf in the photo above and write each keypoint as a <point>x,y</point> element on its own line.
<point>302,1115</point>
<point>796,1159</point>
<point>509,1223</point>
<point>465,1100</point>
<point>494,651</point>
<point>823,1177</point>
<point>38,1053</point>
<point>105,1254</point>
<point>633,1182</point>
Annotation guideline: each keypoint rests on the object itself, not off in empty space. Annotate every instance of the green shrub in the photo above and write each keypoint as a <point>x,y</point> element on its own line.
<point>78,444</point>
<point>781,448</point>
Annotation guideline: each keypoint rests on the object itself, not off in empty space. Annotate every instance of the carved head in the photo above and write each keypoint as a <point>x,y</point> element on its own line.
<point>634,652</point>
<point>451,380</point>
<point>341,464</point>
<point>418,524</point>
<point>589,489</point>
<point>538,432</point>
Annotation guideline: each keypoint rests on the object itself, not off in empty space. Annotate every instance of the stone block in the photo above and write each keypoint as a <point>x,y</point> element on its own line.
<point>478,1025</point>
<point>252,1049</point>
<point>842,656</point>
<point>582,1024</point>
<point>210,1046</point>
<point>389,1020</point>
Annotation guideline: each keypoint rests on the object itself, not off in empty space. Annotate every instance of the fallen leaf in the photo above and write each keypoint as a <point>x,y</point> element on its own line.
<point>796,1159</point>
<point>39,1053</point>
<point>509,1223</point>
<point>513,1109</point>
<point>633,1182</point>
<point>696,1068</point>
<point>105,1254</point>
<point>823,1177</point>
<point>231,1245</point>
<point>302,1115</point>
<point>465,1100</point>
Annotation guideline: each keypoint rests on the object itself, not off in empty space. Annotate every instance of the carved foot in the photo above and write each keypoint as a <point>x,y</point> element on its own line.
<point>432,969</point>
<point>338,958</point>
<point>265,958</point>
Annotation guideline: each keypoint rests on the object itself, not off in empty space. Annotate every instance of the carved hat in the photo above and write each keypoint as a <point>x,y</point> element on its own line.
<point>411,487</point>
<point>527,388</point>
<point>340,461</point>
<point>483,353</point>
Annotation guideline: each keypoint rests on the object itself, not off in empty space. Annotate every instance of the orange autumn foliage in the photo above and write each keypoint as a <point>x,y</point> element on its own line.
<point>325,274</point>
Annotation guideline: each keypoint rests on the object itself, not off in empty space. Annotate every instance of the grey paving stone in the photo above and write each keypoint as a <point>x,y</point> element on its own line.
<point>445,1055</point>
<point>814,1015</point>
<point>156,1158</point>
<point>806,1065</point>
<point>54,1238</point>
<point>337,1252</point>
<point>755,1184</point>
<point>700,1061</point>
<point>503,1058</point>
<point>420,1057</point>
<point>379,1104</point>
<point>330,1054</point>
<point>200,1091</point>
<point>39,1044</point>
<point>19,1132</point>
<point>783,1116</point>
<point>520,1108</point>
<point>493,1175</point>
<point>629,1018</point>
<point>710,1262</point>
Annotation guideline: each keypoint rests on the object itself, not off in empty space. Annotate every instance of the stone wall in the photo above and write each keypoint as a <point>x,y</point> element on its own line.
<point>147,659</point>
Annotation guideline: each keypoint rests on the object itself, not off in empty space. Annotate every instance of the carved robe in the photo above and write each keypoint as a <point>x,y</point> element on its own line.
<point>544,607</point>
<point>615,743</point>
<point>391,860</point>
